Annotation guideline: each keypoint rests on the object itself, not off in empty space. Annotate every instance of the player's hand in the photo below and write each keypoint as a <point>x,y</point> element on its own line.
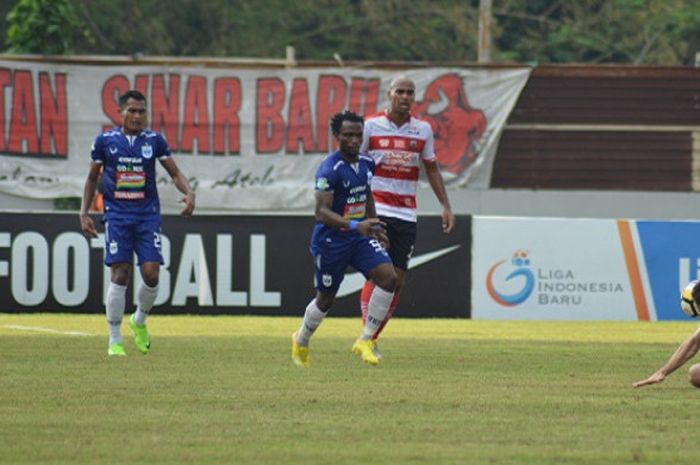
<point>87,225</point>
<point>448,220</point>
<point>368,226</point>
<point>379,233</point>
<point>188,200</point>
<point>653,379</point>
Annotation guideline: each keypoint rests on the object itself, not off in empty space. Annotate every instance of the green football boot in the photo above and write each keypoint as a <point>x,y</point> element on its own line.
<point>141,339</point>
<point>116,349</point>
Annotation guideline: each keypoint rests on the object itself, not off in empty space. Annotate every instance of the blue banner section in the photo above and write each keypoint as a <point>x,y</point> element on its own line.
<point>672,257</point>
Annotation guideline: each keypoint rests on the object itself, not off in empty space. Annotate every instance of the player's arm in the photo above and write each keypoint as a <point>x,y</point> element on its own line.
<point>324,214</point>
<point>685,352</point>
<point>182,184</point>
<point>86,223</point>
<point>438,186</point>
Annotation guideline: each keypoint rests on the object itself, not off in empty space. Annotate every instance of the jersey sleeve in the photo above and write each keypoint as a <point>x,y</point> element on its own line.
<point>97,152</point>
<point>428,153</point>
<point>163,148</point>
<point>326,178</point>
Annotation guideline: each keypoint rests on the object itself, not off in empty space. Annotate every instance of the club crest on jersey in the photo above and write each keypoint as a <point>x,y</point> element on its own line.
<point>146,151</point>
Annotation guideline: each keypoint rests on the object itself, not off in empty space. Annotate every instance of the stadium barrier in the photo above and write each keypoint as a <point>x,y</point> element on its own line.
<point>581,269</point>
<point>257,265</point>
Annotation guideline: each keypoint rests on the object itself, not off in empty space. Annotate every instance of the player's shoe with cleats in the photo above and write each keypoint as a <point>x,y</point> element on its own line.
<point>375,349</point>
<point>141,339</point>
<point>116,349</point>
<point>365,349</point>
<point>300,354</point>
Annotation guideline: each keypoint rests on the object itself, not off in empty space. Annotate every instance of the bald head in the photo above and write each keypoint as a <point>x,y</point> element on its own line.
<point>402,94</point>
<point>401,81</point>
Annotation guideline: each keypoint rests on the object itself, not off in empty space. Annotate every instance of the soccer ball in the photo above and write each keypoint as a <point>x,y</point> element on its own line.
<point>688,306</point>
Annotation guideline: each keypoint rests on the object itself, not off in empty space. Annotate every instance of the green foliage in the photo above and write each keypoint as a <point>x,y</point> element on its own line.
<point>661,32</point>
<point>49,27</point>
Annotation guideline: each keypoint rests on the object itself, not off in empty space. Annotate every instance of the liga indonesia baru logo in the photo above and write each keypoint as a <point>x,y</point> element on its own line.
<point>521,273</point>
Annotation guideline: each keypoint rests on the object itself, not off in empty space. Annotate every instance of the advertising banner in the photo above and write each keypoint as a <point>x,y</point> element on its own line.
<point>258,265</point>
<point>582,269</point>
<point>248,139</point>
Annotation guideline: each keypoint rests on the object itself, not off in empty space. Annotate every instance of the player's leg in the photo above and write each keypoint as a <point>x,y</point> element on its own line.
<point>314,314</point>
<point>118,256</point>
<point>402,237</point>
<point>400,278</point>
<point>115,306</point>
<point>330,261</point>
<point>148,251</point>
<point>373,261</point>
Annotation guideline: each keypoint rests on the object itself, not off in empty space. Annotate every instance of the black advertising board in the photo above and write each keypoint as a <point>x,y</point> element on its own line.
<point>253,265</point>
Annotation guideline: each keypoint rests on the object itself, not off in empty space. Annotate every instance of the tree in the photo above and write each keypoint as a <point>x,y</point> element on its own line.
<point>657,32</point>
<point>49,27</point>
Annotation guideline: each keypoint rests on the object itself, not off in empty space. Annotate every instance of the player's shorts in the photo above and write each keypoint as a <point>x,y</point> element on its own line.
<point>332,257</point>
<point>124,236</point>
<point>402,239</point>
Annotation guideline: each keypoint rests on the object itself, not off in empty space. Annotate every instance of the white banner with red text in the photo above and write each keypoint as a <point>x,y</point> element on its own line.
<point>248,139</point>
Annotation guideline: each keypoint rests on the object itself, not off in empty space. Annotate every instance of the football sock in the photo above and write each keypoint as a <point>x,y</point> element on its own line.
<point>364,298</point>
<point>389,314</point>
<point>144,298</point>
<point>376,311</point>
<point>116,301</point>
<point>312,319</point>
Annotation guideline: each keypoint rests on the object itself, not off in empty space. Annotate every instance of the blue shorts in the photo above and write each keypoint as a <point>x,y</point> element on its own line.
<point>124,236</point>
<point>332,255</point>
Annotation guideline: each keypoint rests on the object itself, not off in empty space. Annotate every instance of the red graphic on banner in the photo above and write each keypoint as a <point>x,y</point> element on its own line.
<point>33,129</point>
<point>457,127</point>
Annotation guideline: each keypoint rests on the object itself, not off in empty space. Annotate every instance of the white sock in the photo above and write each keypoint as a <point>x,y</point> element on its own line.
<point>114,308</point>
<point>377,308</point>
<point>313,316</point>
<point>144,300</point>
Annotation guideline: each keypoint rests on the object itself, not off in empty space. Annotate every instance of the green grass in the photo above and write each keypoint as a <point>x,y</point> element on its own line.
<point>223,390</point>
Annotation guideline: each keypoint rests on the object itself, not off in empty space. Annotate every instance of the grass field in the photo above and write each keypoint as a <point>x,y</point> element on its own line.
<point>223,390</point>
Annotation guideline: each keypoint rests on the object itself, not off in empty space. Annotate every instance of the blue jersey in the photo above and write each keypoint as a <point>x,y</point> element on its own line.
<point>129,171</point>
<point>334,250</point>
<point>350,186</point>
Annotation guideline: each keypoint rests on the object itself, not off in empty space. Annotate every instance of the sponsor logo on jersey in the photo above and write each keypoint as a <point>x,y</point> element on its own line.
<point>129,195</point>
<point>322,184</point>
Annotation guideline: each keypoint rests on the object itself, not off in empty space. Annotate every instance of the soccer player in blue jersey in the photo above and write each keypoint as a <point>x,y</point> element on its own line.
<point>126,157</point>
<point>347,232</point>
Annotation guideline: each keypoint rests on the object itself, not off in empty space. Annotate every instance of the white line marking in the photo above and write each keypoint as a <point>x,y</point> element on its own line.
<point>46,330</point>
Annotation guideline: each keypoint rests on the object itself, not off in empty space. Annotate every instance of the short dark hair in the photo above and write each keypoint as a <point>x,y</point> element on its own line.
<point>131,94</point>
<point>338,118</point>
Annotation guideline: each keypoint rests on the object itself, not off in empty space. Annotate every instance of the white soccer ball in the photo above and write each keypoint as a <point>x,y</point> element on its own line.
<point>688,305</point>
